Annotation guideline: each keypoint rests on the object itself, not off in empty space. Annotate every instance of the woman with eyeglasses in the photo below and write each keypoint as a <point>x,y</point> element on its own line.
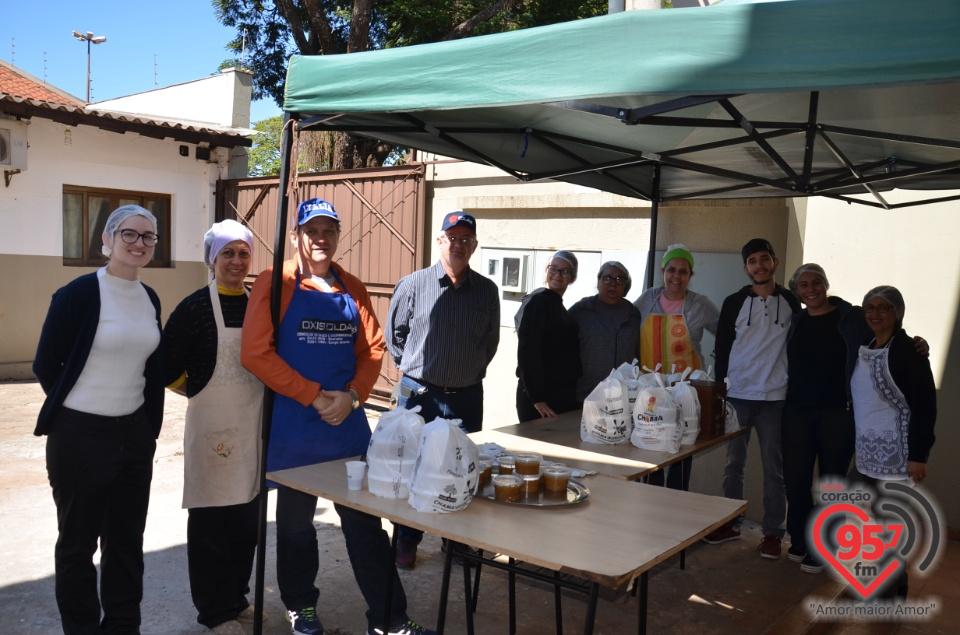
<point>894,395</point>
<point>674,319</point>
<point>818,422</point>
<point>894,404</point>
<point>548,350</point>
<point>99,363</point>
<point>221,439</point>
<point>609,327</point>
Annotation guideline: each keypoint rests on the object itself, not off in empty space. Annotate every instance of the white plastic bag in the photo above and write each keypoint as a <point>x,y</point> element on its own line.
<point>606,418</point>
<point>700,375</point>
<point>688,400</point>
<point>657,421</point>
<point>628,374</point>
<point>392,453</point>
<point>732,422</point>
<point>446,473</point>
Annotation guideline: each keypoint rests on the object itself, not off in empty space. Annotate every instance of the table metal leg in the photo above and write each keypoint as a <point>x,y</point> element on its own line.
<point>512,592</point>
<point>558,609</point>
<point>476,584</point>
<point>642,606</point>
<point>591,609</point>
<point>467,594</point>
<point>685,486</point>
<point>444,591</point>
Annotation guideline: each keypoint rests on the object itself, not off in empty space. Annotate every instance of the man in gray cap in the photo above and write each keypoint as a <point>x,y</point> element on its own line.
<point>443,330</point>
<point>751,354</point>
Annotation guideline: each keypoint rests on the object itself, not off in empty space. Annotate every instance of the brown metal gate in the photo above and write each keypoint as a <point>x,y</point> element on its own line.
<point>382,221</point>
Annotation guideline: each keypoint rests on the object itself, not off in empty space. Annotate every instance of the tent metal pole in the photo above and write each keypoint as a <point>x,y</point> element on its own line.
<point>654,214</point>
<point>286,146</point>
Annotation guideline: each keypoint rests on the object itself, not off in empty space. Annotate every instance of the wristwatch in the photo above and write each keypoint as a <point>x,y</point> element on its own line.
<point>356,399</point>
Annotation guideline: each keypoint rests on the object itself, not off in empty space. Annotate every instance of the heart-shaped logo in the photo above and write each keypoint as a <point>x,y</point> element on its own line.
<point>879,576</point>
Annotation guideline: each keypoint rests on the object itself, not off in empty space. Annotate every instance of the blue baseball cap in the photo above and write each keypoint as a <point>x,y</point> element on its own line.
<point>315,207</point>
<point>459,218</point>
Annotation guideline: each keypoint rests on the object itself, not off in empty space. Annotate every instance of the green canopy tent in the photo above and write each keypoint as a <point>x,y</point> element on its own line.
<point>810,97</point>
<point>845,99</point>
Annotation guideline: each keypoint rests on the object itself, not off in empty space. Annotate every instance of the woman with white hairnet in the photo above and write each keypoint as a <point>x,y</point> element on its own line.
<point>894,406</point>
<point>548,349</point>
<point>609,327</point>
<point>818,423</point>
<point>99,364</point>
<point>221,445</point>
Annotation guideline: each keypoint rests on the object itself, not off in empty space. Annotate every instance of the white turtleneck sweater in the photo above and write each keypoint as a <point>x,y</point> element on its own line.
<point>112,382</point>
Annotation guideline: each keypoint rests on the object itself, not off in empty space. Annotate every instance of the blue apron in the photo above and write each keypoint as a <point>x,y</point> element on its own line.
<point>317,336</point>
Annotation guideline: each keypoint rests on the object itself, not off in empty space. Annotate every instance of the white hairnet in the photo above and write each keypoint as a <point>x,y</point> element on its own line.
<point>222,234</point>
<point>117,217</point>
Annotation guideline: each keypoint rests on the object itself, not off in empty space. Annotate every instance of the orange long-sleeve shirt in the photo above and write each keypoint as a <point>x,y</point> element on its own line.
<point>258,351</point>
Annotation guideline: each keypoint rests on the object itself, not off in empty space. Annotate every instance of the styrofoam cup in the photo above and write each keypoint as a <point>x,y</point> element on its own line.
<point>355,471</point>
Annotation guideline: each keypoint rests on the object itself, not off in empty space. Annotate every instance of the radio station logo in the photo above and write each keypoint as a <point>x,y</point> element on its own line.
<point>870,538</point>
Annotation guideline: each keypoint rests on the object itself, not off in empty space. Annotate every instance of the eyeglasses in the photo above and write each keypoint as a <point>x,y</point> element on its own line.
<point>131,236</point>
<point>617,280</point>
<point>466,241</point>
<point>882,309</point>
<point>563,273</point>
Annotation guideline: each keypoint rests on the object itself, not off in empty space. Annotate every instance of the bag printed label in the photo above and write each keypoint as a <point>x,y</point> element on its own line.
<point>392,452</point>
<point>606,418</point>
<point>446,473</point>
<point>657,421</point>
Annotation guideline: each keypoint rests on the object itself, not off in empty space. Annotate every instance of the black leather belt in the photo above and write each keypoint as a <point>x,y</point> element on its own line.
<point>446,390</point>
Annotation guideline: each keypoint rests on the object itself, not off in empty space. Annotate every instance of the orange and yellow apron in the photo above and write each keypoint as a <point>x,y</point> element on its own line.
<point>665,340</point>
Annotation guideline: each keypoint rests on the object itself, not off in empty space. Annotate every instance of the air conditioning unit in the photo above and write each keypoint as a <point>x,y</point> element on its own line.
<point>13,145</point>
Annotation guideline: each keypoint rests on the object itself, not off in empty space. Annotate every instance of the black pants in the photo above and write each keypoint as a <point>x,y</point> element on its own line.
<point>221,544</point>
<point>368,547</point>
<point>562,399</point>
<point>678,474</point>
<point>100,470</point>
<point>809,437</point>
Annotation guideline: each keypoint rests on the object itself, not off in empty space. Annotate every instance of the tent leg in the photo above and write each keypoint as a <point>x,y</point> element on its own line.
<point>654,214</point>
<point>286,146</point>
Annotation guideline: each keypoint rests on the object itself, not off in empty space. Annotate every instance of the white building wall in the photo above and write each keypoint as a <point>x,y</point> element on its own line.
<point>31,207</point>
<point>916,250</point>
<point>222,99</point>
<point>31,220</point>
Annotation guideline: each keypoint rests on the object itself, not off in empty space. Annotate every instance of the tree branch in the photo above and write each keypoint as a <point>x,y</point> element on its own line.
<point>360,26</point>
<point>289,13</point>
<point>321,27</point>
<point>465,29</point>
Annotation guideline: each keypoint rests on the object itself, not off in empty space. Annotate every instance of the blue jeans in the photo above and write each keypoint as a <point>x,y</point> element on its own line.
<point>368,547</point>
<point>766,418</point>
<point>466,404</point>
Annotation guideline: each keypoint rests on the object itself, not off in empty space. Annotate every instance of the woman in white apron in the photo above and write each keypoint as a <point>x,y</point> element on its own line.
<point>894,400</point>
<point>674,319</point>
<point>201,344</point>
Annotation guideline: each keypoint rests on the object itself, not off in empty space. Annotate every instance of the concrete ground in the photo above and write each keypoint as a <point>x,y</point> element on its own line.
<point>724,589</point>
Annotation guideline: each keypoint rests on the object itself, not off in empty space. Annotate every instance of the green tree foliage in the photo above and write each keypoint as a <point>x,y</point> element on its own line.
<point>269,32</point>
<point>265,155</point>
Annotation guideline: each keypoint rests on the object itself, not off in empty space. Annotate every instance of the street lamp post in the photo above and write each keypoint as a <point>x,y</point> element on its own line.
<point>89,38</point>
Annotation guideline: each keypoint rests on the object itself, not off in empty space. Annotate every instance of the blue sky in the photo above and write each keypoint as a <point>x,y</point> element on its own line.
<point>185,35</point>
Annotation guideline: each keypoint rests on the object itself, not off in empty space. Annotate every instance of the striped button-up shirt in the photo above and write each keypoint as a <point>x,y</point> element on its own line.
<point>441,333</point>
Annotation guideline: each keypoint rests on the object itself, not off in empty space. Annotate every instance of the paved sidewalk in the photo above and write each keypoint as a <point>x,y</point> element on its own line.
<point>724,589</point>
